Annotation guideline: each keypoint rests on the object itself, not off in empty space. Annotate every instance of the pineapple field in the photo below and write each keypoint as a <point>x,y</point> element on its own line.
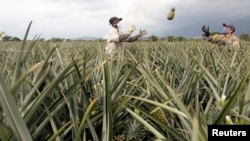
<point>71,90</point>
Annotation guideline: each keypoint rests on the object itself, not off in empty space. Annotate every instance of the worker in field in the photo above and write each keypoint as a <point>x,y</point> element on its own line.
<point>116,37</point>
<point>225,38</point>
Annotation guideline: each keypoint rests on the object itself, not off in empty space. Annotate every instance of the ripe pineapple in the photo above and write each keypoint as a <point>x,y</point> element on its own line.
<point>171,14</point>
<point>216,38</point>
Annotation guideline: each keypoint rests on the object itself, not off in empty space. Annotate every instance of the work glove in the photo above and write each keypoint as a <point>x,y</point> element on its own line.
<point>205,29</point>
<point>142,32</point>
<point>131,29</point>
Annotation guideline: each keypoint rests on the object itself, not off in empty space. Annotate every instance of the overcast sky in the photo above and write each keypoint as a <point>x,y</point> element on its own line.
<point>81,18</point>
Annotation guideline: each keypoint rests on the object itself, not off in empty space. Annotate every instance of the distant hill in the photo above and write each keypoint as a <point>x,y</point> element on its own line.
<point>95,38</point>
<point>86,38</point>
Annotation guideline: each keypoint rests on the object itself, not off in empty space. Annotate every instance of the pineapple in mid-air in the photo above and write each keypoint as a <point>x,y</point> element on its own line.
<point>171,14</point>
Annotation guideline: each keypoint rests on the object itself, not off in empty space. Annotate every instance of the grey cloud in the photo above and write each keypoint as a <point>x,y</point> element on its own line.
<point>90,17</point>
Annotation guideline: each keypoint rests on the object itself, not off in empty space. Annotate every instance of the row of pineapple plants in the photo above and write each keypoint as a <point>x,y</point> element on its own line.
<point>156,91</point>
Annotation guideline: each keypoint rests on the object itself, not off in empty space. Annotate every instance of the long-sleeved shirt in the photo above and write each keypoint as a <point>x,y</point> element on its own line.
<point>115,41</point>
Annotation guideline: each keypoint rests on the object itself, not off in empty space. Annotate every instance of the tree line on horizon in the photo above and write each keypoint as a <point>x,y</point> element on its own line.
<point>154,38</point>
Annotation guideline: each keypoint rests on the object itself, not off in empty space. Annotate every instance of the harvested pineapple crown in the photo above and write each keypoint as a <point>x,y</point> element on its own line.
<point>173,9</point>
